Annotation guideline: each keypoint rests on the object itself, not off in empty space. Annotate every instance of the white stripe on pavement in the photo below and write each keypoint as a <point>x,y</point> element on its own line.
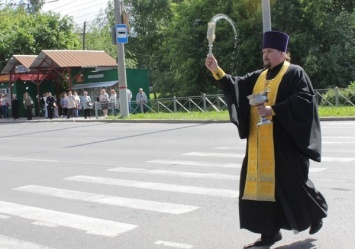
<point>173,244</point>
<point>11,243</point>
<point>337,159</point>
<point>314,170</point>
<point>157,186</point>
<point>232,155</point>
<point>155,206</point>
<point>4,217</point>
<point>176,173</point>
<point>88,224</point>
<point>343,142</point>
<point>194,163</point>
<point>25,160</point>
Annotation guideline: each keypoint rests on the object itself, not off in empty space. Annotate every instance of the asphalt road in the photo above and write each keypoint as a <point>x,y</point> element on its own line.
<point>71,185</point>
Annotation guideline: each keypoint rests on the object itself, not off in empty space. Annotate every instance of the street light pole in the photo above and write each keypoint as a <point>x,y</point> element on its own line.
<point>121,66</point>
<point>266,15</point>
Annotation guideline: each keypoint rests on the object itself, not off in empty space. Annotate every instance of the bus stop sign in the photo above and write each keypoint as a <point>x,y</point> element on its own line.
<point>121,33</point>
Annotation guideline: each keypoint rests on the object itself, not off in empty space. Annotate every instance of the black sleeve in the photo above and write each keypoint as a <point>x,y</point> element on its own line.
<point>297,113</point>
<point>236,90</point>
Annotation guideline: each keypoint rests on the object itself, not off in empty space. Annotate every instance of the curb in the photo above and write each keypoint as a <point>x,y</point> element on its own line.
<point>81,120</point>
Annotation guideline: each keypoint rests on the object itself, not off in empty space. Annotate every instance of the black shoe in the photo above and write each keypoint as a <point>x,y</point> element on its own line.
<point>265,240</point>
<point>315,227</point>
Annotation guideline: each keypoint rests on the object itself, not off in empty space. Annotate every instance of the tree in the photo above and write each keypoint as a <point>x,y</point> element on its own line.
<point>322,38</point>
<point>23,33</point>
<point>169,38</point>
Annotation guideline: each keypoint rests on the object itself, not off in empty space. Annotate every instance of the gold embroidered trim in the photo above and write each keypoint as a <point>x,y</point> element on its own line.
<point>260,180</point>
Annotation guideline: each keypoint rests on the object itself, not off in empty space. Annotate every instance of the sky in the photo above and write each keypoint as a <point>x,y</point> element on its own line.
<point>81,10</point>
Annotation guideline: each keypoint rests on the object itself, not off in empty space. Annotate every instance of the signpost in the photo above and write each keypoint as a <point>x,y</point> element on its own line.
<point>121,33</point>
<point>121,39</point>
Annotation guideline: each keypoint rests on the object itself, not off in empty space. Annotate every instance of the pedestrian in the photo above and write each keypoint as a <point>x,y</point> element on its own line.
<point>72,105</point>
<point>51,104</point>
<point>87,105</point>
<point>113,101</point>
<point>141,100</point>
<point>104,99</point>
<point>275,192</point>
<point>15,105</point>
<point>4,106</point>
<point>129,99</point>
<point>78,104</point>
<point>28,103</point>
<point>64,104</point>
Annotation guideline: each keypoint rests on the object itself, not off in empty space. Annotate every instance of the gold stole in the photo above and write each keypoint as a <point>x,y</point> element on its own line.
<point>260,180</point>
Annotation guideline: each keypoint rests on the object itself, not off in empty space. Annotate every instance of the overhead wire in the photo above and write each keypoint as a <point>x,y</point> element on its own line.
<point>72,13</point>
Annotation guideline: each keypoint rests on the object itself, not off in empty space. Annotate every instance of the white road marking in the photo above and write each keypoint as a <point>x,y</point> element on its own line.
<point>194,163</point>
<point>176,173</point>
<point>155,206</point>
<point>314,170</point>
<point>231,155</point>
<point>88,224</point>
<point>337,159</point>
<point>11,243</point>
<point>157,186</point>
<point>173,244</point>
<point>344,142</point>
<point>44,224</point>
<point>4,217</point>
<point>25,160</point>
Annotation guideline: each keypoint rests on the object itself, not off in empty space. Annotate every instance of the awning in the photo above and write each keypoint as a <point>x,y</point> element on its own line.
<point>94,85</point>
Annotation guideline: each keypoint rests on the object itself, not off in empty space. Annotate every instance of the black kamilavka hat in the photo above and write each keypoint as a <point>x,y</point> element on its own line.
<point>276,40</point>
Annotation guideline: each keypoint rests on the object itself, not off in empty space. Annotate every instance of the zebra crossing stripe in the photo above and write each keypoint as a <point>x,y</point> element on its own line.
<point>176,173</point>
<point>231,155</point>
<point>90,225</point>
<point>157,186</point>
<point>155,206</point>
<point>173,244</point>
<point>337,159</point>
<point>11,243</point>
<point>26,160</point>
<point>194,163</point>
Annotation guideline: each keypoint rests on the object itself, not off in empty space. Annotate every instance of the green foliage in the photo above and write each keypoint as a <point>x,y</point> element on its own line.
<point>169,38</point>
<point>321,38</point>
<point>28,34</point>
<point>340,97</point>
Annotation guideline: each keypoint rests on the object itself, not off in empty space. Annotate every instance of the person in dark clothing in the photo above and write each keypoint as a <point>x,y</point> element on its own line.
<point>28,102</point>
<point>275,192</point>
<point>15,104</point>
<point>50,100</point>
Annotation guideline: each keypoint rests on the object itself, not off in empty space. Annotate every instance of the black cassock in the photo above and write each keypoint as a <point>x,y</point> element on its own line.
<point>297,138</point>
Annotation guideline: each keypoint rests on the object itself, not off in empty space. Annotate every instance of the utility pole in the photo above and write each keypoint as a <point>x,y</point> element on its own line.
<point>84,35</point>
<point>121,66</point>
<point>266,15</point>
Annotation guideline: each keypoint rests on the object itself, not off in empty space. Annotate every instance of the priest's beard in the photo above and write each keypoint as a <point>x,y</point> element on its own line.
<point>267,64</point>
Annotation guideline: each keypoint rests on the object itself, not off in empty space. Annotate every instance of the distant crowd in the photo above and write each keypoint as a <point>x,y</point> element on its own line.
<point>70,104</point>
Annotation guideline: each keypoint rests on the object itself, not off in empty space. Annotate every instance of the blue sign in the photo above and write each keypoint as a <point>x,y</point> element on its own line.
<point>121,33</point>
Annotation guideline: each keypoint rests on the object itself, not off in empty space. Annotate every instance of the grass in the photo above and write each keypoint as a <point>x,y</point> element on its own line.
<point>347,111</point>
<point>223,115</point>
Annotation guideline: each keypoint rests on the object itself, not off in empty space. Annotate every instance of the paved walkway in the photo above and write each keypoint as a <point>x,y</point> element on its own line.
<point>102,119</point>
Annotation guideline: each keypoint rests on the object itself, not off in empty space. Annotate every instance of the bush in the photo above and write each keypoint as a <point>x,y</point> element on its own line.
<point>346,96</point>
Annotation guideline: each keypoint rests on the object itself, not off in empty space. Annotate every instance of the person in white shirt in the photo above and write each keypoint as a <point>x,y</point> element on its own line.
<point>72,105</point>
<point>104,101</point>
<point>129,99</point>
<point>113,101</point>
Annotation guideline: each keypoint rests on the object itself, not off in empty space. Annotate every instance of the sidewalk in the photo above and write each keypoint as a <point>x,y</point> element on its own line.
<point>102,119</point>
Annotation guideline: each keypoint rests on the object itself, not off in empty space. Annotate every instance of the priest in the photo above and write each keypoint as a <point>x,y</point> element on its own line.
<point>275,192</point>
